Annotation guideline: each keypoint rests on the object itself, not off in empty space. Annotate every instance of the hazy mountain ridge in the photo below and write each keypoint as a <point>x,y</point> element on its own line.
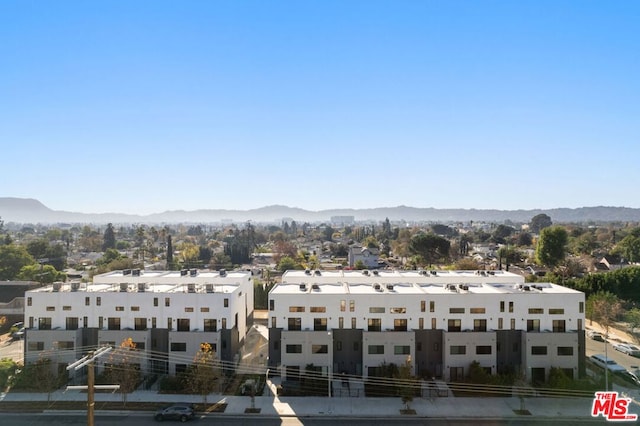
<point>27,210</point>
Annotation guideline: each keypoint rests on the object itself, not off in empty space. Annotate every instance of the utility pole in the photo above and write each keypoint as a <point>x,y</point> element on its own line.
<point>91,386</point>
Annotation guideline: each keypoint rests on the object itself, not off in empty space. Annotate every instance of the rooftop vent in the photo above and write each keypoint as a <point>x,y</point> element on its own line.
<point>141,287</point>
<point>184,272</point>
<point>193,272</point>
<point>526,288</point>
<point>365,272</point>
<point>208,288</point>
<point>307,271</point>
<point>390,287</point>
<point>433,272</point>
<point>135,272</point>
<point>223,272</point>
<point>491,272</point>
<point>451,287</point>
<point>126,272</point>
<point>191,288</point>
<point>318,272</point>
<point>315,287</point>
<point>377,287</point>
<point>376,273</point>
<point>124,287</point>
<point>75,286</point>
<point>56,286</point>
<point>463,287</point>
<point>303,287</point>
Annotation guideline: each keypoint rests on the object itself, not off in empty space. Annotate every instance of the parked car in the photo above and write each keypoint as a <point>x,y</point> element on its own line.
<point>604,362</point>
<point>629,377</point>
<point>627,348</point>
<point>595,336</point>
<point>18,335</point>
<point>175,412</point>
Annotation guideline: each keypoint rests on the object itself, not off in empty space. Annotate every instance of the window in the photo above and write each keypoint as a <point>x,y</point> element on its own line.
<point>400,324</point>
<point>500,323</point>
<point>419,346</point>
<point>135,308</point>
<point>458,350</point>
<point>87,301</point>
<point>44,323</point>
<point>29,301</point>
<point>224,323</point>
<point>502,306</point>
<point>155,301</point>
<point>51,308</point>
<point>274,322</point>
<point>513,323</point>
<point>533,325</point>
<point>479,325</point>
<point>184,324</point>
<point>204,309</point>
<point>272,305</point>
<point>318,309</point>
<point>398,310</point>
<point>101,322</point>
<point>402,350</point>
<point>454,325</point>
<point>153,322</point>
<point>320,324</point>
<point>319,349</point>
<point>565,350</point>
<point>66,345</point>
<point>294,349</point>
<point>169,324</point>
<point>511,307</point>
<point>140,323</point>
<point>113,323</point>
<point>433,323</point>
<point>188,309</point>
<point>352,305</point>
<point>85,322</point>
<point>456,310</point>
<point>295,324</point>
<point>353,323</point>
<point>477,310</point>
<point>580,307</point>
<point>211,324</point>
<point>536,310</point>
<point>66,308</point>
<point>343,305</point>
<point>341,322</point>
<point>167,301</point>
<point>559,326</point>
<point>432,306</point>
<point>376,310</point>
<point>98,301</point>
<point>374,324</point>
<point>456,374</point>
<point>556,311</point>
<point>376,350</point>
<point>140,346</point>
<point>580,324</point>
<point>423,306</point>
<point>119,308</point>
<point>35,346</point>
<point>538,350</point>
<point>421,323</point>
<point>178,347</point>
<point>296,308</point>
<point>483,350</point>
<point>226,302</point>
<point>72,323</point>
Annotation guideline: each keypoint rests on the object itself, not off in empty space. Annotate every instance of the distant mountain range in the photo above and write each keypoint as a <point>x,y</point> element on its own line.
<point>26,210</point>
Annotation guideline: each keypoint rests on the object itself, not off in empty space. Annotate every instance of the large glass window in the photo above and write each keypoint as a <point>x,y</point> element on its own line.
<point>320,324</point>
<point>140,323</point>
<point>113,323</point>
<point>454,325</point>
<point>480,325</point>
<point>184,324</point>
<point>458,350</point>
<point>376,350</point>
<point>211,324</point>
<point>72,323</point>
<point>559,326</point>
<point>374,324</point>
<point>400,324</point>
<point>295,324</point>
<point>533,325</point>
<point>294,349</point>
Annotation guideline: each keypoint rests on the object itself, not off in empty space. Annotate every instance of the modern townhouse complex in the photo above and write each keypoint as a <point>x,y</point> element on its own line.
<point>168,314</point>
<point>352,322</point>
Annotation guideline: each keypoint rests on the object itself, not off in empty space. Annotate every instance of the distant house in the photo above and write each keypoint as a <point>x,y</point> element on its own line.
<point>611,263</point>
<point>368,255</point>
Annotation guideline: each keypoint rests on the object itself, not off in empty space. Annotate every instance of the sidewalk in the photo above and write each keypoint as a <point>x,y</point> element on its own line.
<point>448,407</point>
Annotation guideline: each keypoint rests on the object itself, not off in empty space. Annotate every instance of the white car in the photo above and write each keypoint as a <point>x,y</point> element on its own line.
<point>607,363</point>
<point>627,348</point>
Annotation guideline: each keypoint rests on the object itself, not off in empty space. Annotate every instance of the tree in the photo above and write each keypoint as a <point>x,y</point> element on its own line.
<point>169,253</point>
<point>109,239</point>
<point>122,370</point>
<point>551,247</point>
<point>629,247</point>
<point>539,222</point>
<point>407,383</point>
<point>287,263</point>
<point>604,308</point>
<point>12,259</point>
<point>45,274</point>
<point>203,374</point>
<point>430,247</point>
<point>632,317</point>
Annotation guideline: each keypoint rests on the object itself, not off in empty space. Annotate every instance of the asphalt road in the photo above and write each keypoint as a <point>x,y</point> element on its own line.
<point>595,347</point>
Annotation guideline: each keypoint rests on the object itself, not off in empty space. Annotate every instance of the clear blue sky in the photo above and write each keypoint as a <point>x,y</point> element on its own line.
<point>147,106</point>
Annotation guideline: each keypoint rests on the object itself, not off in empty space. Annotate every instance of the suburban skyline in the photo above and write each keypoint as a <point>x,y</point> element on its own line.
<point>152,106</point>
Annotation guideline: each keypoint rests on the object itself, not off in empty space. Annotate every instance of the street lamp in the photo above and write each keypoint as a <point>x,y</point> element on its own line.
<point>330,361</point>
<point>606,365</point>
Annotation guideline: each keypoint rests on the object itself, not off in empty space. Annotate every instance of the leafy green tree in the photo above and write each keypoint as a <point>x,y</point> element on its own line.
<point>524,239</point>
<point>169,253</point>
<point>12,259</point>
<point>45,274</point>
<point>203,374</point>
<point>539,222</point>
<point>604,308</point>
<point>287,263</point>
<point>109,239</point>
<point>430,247</point>
<point>632,317</point>
<point>48,254</point>
<point>629,247</point>
<point>551,248</point>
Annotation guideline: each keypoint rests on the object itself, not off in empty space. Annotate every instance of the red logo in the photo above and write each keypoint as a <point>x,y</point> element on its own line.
<point>612,407</point>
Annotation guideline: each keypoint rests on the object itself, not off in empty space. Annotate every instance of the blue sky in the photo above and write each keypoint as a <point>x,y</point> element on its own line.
<point>147,106</point>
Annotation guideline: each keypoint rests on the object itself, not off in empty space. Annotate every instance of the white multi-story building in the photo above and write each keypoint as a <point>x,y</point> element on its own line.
<point>354,321</point>
<point>168,314</point>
